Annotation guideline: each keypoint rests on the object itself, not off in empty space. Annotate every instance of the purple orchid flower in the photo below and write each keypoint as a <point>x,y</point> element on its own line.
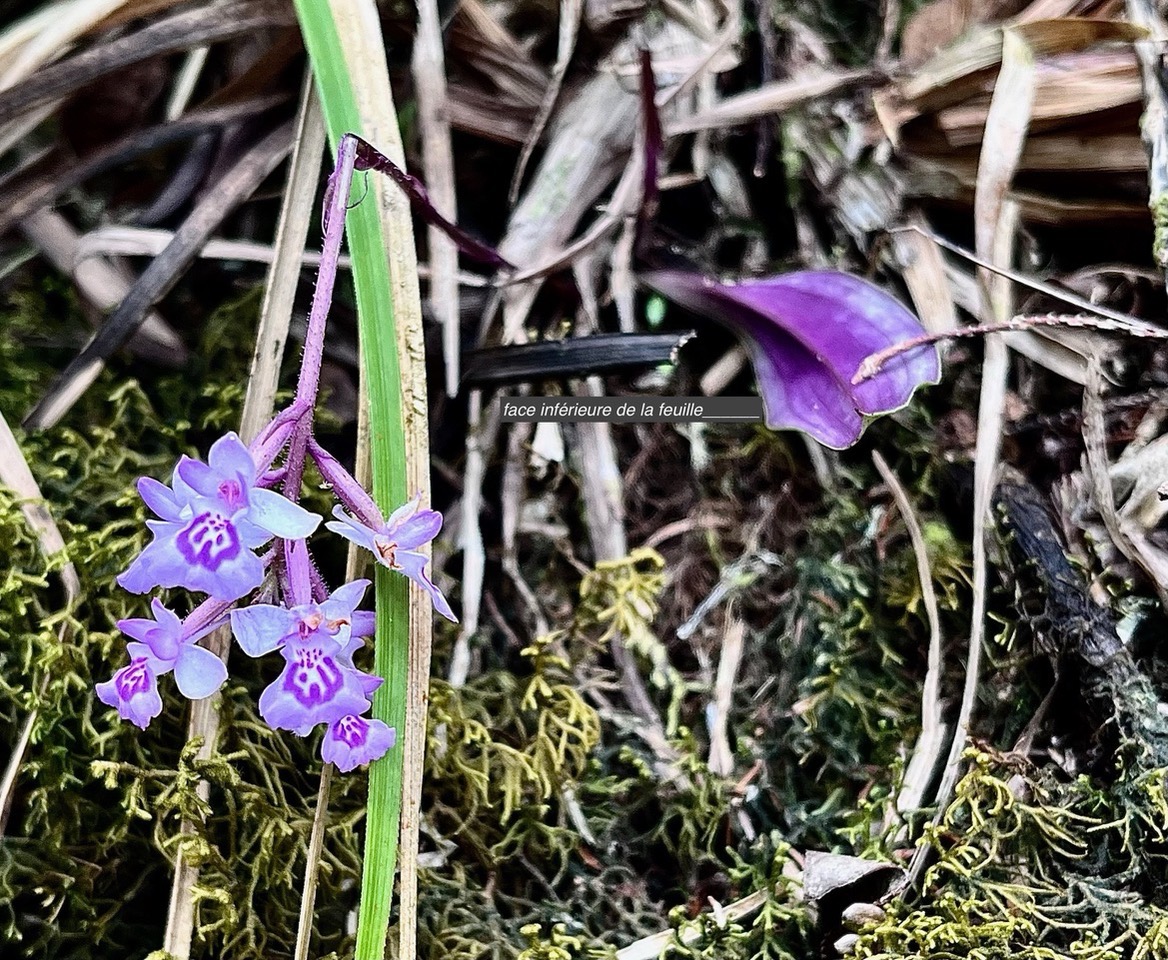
<point>166,646</point>
<point>395,543</point>
<point>352,741</point>
<point>808,333</point>
<point>133,690</point>
<point>212,518</point>
<point>162,645</point>
<point>319,683</point>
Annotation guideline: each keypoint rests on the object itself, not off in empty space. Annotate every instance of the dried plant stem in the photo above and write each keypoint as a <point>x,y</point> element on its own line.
<point>927,752</point>
<point>312,871</point>
<point>570,14</point>
<point>604,511</point>
<point>16,475</point>
<point>296,216</point>
<point>429,68</point>
<point>721,760</point>
<point>1129,323</point>
<point>204,723</point>
<point>874,362</point>
<point>1154,122</point>
<point>482,431</point>
<point>996,224</point>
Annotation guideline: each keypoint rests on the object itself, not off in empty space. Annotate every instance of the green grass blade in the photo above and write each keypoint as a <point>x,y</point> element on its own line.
<point>387,445</point>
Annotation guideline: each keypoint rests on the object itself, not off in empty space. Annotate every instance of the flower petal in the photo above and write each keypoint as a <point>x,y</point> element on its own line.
<point>167,619</point>
<point>262,627</point>
<point>198,476</point>
<point>403,513</point>
<point>183,492</point>
<point>351,529</point>
<point>343,601</point>
<point>139,651</point>
<point>229,458</point>
<point>280,516</point>
<point>413,565</point>
<point>421,528</point>
<point>198,672</point>
<point>364,623</point>
<point>159,498</point>
<point>137,627</point>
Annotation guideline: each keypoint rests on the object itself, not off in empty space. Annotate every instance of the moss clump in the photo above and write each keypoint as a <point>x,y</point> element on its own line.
<point>1033,865</point>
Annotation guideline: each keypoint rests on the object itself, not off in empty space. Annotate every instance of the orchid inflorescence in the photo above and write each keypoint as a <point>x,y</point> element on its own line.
<point>211,521</point>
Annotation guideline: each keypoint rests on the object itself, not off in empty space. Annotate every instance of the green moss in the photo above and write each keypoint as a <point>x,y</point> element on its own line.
<point>1032,865</point>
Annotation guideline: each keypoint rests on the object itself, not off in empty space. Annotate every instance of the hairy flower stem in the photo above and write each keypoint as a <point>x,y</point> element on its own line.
<point>334,219</point>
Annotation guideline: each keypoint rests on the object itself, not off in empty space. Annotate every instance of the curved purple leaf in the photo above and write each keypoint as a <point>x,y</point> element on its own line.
<point>807,334</point>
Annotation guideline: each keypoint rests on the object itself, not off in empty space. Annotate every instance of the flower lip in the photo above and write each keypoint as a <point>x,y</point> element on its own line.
<point>212,519</point>
<point>316,686</point>
<point>133,692</point>
<point>353,740</point>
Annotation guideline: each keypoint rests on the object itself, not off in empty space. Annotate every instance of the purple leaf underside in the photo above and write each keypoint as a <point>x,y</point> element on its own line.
<point>807,334</point>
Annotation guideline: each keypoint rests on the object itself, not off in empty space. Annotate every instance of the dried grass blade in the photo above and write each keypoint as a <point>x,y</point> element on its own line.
<point>571,12</point>
<point>239,183</point>
<point>42,180</point>
<point>931,742</point>
<point>181,31</point>
<point>102,283</point>
<point>429,68</point>
<point>41,36</point>
<point>296,216</point>
<point>770,100</point>
<point>995,222</point>
<point>16,475</point>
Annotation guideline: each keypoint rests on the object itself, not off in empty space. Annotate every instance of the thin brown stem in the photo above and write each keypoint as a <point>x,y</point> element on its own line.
<point>312,866</point>
<point>874,362</point>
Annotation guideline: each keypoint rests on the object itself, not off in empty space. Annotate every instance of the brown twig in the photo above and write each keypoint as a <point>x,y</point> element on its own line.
<point>429,69</point>
<point>927,752</point>
<point>874,362</point>
<point>239,183</point>
<point>179,31</point>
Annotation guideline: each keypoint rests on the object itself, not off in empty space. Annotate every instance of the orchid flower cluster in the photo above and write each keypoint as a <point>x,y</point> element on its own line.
<point>232,528</point>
